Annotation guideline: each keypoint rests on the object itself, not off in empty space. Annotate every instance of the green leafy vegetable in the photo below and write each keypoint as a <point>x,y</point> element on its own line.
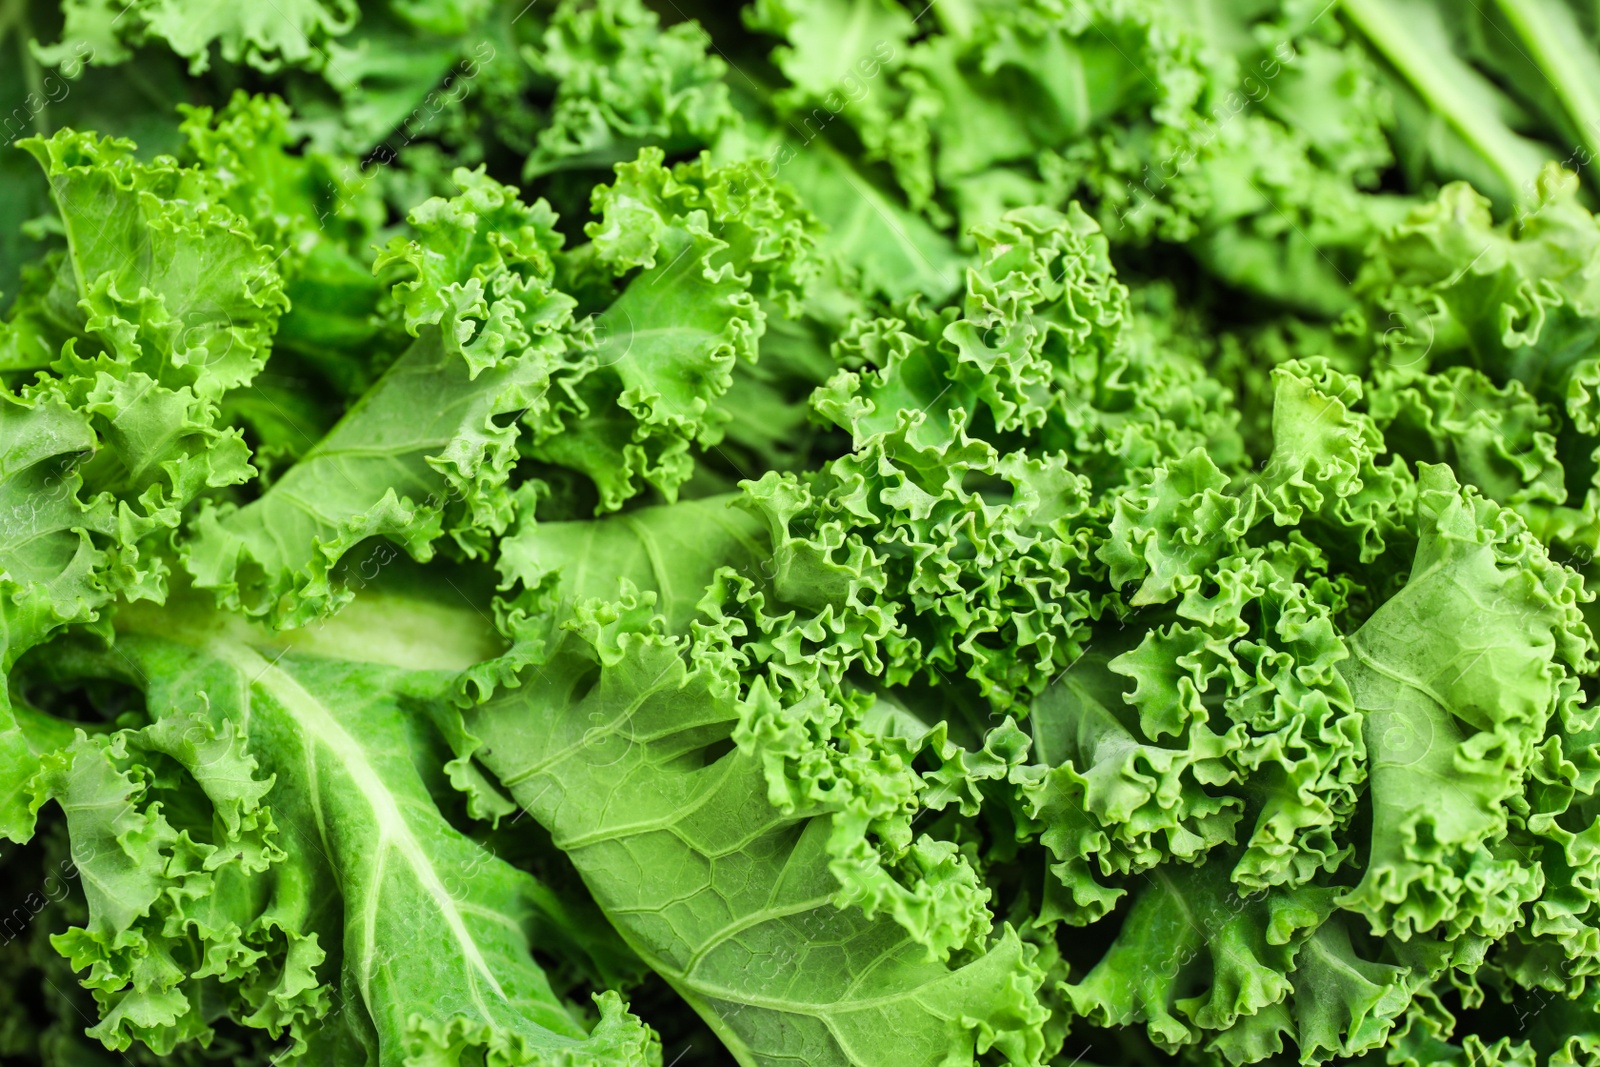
<point>823,533</point>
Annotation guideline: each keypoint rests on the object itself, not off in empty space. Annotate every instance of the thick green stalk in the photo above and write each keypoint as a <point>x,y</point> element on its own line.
<point>1553,42</point>
<point>1390,36</point>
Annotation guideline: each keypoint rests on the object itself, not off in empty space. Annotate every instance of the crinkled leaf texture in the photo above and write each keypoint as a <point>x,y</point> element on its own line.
<point>428,449</point>
<point>1107,680</point>
<point>1138,107</point>
<point>268,851</point>
<point>1462,684</point>
<point>267,37</point>
<point>623,750</point>
<point>163,301</point>
<point>699,252</point>
<point>624,82</point>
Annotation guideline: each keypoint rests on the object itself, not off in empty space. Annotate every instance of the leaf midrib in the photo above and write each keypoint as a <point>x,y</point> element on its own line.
<point>394,832</point>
